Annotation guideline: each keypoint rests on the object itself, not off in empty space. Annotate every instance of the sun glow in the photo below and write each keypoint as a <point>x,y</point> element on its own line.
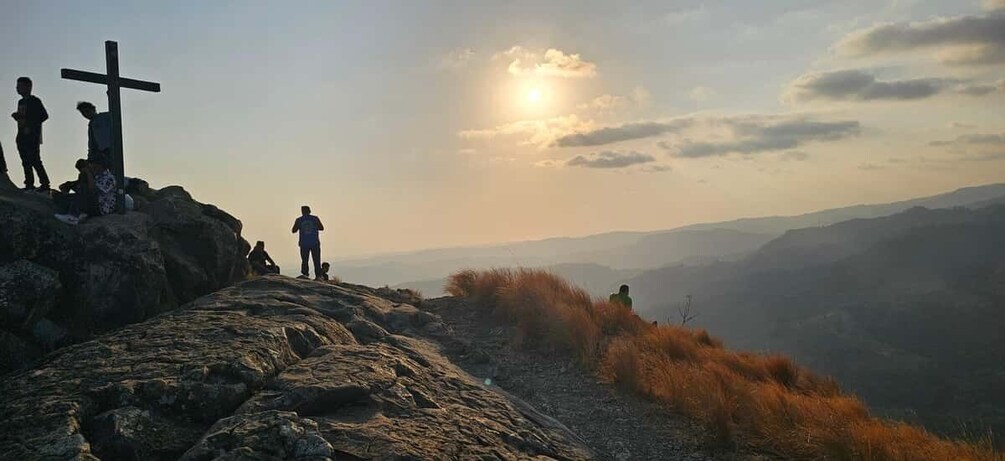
<point>534,95</point>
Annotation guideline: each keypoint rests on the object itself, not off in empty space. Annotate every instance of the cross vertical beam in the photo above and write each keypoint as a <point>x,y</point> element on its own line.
<point>115,110</point>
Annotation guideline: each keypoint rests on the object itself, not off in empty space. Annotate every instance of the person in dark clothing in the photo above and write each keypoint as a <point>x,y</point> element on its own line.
<point>621,297</point>
<point>99,131</point>
<point>309,227</point>
<point>325,267</point>
<point>29,116</point>
<point>75,194</point>
<point>260,260</point>
<point>97,196</point>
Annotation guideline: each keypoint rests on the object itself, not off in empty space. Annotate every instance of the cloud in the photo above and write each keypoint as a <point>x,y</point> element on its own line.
<point>795,156</point>
<point>457,59</point>
<point>676,18</point>
<point>756,134</point>
<point>625,132</point>
<point>994,4</point>
<point>541,133</point>
<point>547,63</point>
<point>656,168</point>
<point>858,85</point>
<point>870,167</point>
<point>975,147</point>
<point>976,89</point>
<point>961,125</point>
<point>997,140</point>
<point>701,93</point>
<point>610,159</point>
<point>746,134</point>
<point>609,103</point>
<point>962,40</point>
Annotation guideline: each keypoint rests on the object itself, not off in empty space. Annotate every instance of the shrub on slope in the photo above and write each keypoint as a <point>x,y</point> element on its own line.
<point>765,401</point>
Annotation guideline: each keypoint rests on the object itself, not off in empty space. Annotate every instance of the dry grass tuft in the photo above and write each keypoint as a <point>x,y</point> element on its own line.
<point>764,401</point>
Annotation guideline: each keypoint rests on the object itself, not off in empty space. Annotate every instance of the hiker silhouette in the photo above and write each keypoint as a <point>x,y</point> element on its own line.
<point>30,115</point>
<point>309,227</point>
<point>99,131</point>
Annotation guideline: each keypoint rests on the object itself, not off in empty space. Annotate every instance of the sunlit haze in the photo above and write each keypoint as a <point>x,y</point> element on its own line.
<point>409,125</point>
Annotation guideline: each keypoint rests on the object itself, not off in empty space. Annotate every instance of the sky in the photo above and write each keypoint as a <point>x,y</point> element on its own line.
<point>410,125</point>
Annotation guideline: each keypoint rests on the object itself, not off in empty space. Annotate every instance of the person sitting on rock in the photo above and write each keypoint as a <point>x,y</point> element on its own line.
<point>261,262</point>
<point>621,297</point>
<point>325,267</point>
<point>95,197</point>
<point>74,191</point>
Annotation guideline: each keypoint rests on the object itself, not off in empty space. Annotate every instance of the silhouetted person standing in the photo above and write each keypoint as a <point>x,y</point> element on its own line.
<point>99,131</point>
<point>30,115</point>
<point>621,297</point>
<point>309,227</point>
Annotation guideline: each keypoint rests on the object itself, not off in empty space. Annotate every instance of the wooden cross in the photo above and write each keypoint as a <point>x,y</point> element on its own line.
<point>114,82</point>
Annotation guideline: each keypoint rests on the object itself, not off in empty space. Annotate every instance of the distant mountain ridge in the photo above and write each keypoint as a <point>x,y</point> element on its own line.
<point>703,242</point>
<point>906,310</point>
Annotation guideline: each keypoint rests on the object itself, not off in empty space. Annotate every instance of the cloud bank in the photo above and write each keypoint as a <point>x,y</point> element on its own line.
<point>857,85</point>
<point>733,134</point>
<point>962,40</point>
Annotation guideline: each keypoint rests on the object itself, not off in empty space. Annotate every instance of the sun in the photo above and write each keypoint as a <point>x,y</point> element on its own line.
<point>534,95</point>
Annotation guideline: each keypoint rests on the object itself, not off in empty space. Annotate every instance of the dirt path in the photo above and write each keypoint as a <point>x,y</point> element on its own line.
<point>616,425</point>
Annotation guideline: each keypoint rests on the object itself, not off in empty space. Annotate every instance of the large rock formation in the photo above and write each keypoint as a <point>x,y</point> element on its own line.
<point>60,284</point>
<point>272,368</point>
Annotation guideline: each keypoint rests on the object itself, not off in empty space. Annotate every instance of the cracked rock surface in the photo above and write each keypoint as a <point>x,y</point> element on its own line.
<point>272,368</point>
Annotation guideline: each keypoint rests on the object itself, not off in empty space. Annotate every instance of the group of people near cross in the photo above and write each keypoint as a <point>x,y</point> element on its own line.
<point>93,193</point>
<point>309,227</point>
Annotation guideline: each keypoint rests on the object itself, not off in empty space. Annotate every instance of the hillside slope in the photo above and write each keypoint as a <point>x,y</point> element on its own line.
<point>907,310</point>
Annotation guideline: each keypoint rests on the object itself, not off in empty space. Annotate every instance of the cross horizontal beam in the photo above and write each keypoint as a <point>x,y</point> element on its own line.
<point>72,74</point>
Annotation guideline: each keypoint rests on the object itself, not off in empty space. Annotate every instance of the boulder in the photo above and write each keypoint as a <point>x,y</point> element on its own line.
<point>107,272</point>
<point>267,369</point>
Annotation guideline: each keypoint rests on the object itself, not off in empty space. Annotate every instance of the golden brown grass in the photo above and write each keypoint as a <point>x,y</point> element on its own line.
<point>763,401</point>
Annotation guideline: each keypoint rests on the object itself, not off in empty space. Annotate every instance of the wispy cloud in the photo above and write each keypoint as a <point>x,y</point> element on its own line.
<point>961,40</point>
<point>639,97</point>
<point>625,132</point>
<point>755,135</point>
<point>610,159</point>
<point>457,59</point>
<point>546,63</point>
<point>858,85</point>
<point>541,133</point>
<point>701,93</point>
<point>975,147</point>
<point>997,140</point>
<point>702,136</point>
<point>795,156</point>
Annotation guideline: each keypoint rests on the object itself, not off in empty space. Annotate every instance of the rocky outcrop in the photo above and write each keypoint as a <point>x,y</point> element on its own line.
<point>272,368</point>
<point>61,284</point>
